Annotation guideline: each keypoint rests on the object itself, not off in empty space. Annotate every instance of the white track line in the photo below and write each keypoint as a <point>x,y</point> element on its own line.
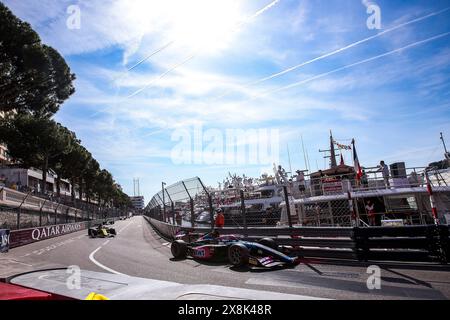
<point>91,256</point>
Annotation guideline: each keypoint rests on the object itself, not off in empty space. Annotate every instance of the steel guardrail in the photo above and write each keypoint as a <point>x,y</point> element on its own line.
<point>411,243</point>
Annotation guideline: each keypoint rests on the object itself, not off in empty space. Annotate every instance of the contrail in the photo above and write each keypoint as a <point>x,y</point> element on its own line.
<point>152,54</point>
<point>161,76</point>
<point>143,60</point>
<point>259,12</point>
<point>295,84</point>
<point>245,21</point>
<point>338,50</point>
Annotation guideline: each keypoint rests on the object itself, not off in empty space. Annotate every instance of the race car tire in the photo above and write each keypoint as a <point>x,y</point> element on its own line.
<point>112,231</point>
<point>92,233</point>
<point>268,242</point>
<point>238,255</point>
<point>179,249</point>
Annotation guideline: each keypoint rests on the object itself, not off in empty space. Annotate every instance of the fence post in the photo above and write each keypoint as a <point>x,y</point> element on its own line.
<point>353,217</point>
<point>243,212</point>
<point>288,207</point>
<point>56,214</point>
<point>211,209</point>
<point>192,204</point>
<point>163,200</point>
<point>20,210</point>
<point>40,213</point>
<point>192,213</point>
<point>18,218</point>
<point>162,212</point>
<point>40,217</point>
<point>172,207</point>
<point>432,201</point>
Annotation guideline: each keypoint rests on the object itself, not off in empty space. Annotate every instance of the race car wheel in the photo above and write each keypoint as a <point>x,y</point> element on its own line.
<point>179,249</point>
<point>238,255</point>
<point>112,231</point>
<point>92,233</point>
<point>268,242</point>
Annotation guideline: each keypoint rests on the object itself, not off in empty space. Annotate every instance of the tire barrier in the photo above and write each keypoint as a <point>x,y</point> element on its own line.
<point>409,244</point>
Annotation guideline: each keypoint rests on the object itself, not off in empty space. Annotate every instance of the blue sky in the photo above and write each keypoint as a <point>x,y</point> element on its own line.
<point>394,106</point>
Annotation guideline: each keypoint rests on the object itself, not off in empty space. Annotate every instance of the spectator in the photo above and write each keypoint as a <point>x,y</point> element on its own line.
<point>220,219</point>
<point>364,180</point>
<point>413,179</point>
<point>300,178</point>
<point>370,209</point>
<point>383,168</point>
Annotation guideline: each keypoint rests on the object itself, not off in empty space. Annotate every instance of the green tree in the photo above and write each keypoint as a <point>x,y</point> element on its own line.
<point>33,77</point>
<point>61,162</point>
<point>34,142</point>
<point>104,187</point>
<point>89,177</point>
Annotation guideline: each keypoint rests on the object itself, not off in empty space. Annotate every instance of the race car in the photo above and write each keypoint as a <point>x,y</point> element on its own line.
<point>212,246</point>
<point>101,231</point>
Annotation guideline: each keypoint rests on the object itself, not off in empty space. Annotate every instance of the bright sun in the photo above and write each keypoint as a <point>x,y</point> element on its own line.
<point>205,25</point>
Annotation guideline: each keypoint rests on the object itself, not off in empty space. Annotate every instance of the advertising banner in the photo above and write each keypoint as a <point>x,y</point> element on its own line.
<point>22,237</point>
<point>4,240</point>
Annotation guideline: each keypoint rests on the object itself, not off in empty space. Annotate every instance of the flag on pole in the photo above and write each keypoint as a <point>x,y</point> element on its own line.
<point>358,168</point>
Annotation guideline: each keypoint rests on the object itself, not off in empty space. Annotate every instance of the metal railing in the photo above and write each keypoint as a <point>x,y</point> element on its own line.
<point>189,203</point>
<point>370,181</point>
<point>24,210</point>
<point>338,201</point>
<point>404,244</point>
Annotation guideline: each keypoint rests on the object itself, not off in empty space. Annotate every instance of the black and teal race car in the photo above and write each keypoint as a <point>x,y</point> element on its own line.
<point>232,248</point>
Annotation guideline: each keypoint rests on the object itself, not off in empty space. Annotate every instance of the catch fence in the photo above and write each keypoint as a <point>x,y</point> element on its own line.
<point>20,210</point>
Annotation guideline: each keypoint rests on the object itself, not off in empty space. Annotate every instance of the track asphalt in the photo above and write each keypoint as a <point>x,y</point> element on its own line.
<point>139,251</point>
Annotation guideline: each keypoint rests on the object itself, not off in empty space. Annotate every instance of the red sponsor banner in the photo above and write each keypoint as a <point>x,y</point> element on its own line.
<point>22,237</point>
<point>332,186</point>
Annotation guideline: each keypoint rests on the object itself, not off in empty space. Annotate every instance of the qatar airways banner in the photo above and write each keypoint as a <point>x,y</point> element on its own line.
<point>22,237</point>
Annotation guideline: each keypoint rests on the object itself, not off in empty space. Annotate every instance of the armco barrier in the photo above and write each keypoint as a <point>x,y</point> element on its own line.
<point>410,243</point>
<point>167,230</point>
<point>23,237</point>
